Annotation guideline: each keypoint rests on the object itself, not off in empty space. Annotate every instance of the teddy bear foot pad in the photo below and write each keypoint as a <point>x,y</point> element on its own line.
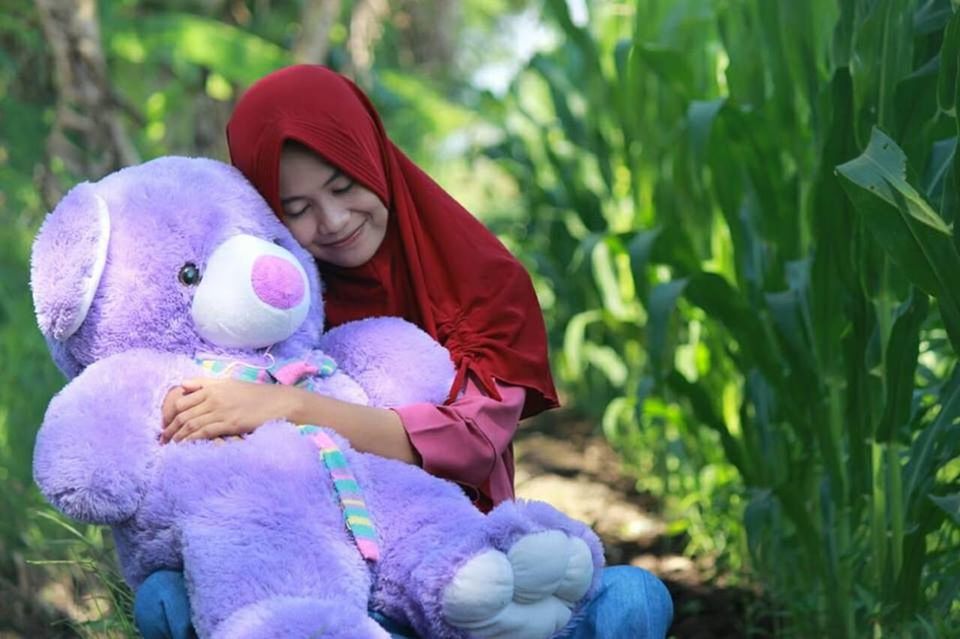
<point>528,592</point>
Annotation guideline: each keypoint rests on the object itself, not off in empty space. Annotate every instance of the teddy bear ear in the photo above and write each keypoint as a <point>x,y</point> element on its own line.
<point>67,261</point>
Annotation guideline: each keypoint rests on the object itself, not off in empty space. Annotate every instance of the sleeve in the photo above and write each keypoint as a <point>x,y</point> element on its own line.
<point>467,441</point>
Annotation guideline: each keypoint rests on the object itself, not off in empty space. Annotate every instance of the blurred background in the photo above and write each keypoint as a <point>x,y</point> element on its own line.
<point>739,216</point>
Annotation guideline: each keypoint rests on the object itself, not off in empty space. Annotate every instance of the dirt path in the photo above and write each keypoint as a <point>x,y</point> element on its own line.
<point>561,461</point>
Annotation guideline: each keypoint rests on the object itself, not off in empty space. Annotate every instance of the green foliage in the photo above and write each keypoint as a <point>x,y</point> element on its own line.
<point>745,210</point>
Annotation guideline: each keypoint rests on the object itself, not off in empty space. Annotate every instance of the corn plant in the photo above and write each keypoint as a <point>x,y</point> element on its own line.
<point>745,212</point>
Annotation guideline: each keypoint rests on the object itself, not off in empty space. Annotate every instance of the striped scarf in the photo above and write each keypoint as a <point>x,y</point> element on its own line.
<point>354,508</point>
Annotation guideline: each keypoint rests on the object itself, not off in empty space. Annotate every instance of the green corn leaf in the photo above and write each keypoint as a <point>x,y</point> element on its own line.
<point>938,184</point>
<point>573,127</point>
<point>608,362</point>
<point>948,82</point>
<point>791,314</point>
<point>725,304</point>
<point>932,16</point>
<point>942,181</point>
<point>949,504</point>
<point>759,520</point>
<point>933,445</point>
<point>915,106</point>
<point>882,170</point>
<point>914,235</point>
<point>901,365</point>
<point>700,118</point>
<point>669,65</point>
<point>580,38</point>
<point>605,275</point>
<point>660,306</point>
<point>833,223</point>
<point>574,337</point>
<point>639,249</point>
<point>706,412</point>
<point>613,416</point>
<point>883,39</point>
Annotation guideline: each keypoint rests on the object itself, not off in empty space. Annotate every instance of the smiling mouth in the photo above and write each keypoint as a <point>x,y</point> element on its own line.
<point>344,241</point>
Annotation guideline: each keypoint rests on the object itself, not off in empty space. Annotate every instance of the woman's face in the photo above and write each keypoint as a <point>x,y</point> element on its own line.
<point>338,220</point>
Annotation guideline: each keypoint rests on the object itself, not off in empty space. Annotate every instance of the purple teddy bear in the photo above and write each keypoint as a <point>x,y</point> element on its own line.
<point>177,268</point>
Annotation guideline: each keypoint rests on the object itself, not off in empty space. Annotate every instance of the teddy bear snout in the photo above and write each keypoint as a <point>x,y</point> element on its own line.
<point>277,281</point>
<point>252,294</point>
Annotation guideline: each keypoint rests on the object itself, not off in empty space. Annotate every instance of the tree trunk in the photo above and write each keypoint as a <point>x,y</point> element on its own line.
<point>87,135</point>
<point>366,27</point>
<point>317,18</point>
<point>429,32</point>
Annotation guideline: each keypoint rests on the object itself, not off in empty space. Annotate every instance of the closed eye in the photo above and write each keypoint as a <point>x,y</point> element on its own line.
<point>340,190</point>
<point>296,212</point>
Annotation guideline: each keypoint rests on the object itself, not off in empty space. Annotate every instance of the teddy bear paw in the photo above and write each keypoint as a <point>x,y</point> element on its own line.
<point>526,593</point>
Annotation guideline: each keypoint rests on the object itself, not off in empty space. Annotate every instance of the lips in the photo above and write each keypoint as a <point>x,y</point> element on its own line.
<point>344,241</point>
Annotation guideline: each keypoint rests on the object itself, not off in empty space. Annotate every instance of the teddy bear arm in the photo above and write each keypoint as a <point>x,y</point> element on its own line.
<point>394,361</point>
<point>99,439</point>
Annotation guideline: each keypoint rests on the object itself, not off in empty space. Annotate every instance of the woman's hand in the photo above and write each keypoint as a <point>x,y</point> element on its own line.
<point>208,408</point>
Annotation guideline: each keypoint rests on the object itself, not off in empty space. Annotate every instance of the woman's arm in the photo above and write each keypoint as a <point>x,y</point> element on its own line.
<point>208,408</point>
<point>467,441</point>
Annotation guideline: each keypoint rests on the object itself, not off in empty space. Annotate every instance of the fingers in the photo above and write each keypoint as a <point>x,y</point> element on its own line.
<point>211,431</point>
<point>187,401</point>
<point>169,409</point>
<point>192,417</point>
<point>193,425</point>
<point>196,383</point>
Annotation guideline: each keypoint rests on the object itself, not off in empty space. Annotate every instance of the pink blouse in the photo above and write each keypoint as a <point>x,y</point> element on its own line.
<point>469,440</point>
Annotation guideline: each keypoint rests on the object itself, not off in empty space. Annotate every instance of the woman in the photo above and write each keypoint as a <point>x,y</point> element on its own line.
<point>389,241</point>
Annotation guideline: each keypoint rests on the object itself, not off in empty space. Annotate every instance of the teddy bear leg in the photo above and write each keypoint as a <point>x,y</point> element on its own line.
<point>542,569</point>
<point>507,574</point>
<point>285,617</point>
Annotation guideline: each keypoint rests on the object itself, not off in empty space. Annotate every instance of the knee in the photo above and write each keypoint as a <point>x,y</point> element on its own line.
<point>637,578</point>
<point>641,590</point>
<point>161,609</point>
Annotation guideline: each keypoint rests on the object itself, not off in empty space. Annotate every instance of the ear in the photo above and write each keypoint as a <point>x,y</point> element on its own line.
<point>67,261</point>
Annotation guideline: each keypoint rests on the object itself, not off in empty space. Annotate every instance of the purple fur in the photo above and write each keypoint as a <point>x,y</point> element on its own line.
<point>284,617</point>
<point>368,349</point>
<point>255,523</point>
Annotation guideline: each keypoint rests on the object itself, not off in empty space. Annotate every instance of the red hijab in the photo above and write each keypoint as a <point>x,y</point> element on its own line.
<point>438,266</point>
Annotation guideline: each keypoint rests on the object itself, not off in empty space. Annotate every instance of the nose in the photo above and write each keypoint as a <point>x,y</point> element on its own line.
<point>332,219</point>
<point>277,282</point>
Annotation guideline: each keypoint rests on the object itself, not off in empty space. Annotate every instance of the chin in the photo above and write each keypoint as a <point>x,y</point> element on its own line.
<point>352,260</point>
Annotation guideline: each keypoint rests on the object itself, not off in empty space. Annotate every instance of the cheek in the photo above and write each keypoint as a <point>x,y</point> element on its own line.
<point>378,212</point>
<point>302,229</point>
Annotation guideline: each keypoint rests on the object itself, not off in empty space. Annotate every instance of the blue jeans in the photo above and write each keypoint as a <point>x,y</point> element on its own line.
<point>631,603</point>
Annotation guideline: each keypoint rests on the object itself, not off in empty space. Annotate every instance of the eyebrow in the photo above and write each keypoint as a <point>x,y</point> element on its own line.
<point>293,198</point>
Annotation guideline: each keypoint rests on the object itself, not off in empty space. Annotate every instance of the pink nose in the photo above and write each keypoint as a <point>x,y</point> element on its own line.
<point>277,282</point>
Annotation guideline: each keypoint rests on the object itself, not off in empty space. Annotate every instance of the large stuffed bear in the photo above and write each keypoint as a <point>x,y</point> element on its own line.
<point>177,268</point>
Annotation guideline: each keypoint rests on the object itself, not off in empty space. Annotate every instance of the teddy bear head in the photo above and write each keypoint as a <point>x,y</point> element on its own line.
<point>178,255</point>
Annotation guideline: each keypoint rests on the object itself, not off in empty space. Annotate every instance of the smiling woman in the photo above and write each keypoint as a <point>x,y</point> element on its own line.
<point>338,220</point>
<point>389,241</point>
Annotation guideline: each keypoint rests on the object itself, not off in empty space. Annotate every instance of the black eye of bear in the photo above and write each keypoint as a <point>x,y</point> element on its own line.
<point>189,274</point>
